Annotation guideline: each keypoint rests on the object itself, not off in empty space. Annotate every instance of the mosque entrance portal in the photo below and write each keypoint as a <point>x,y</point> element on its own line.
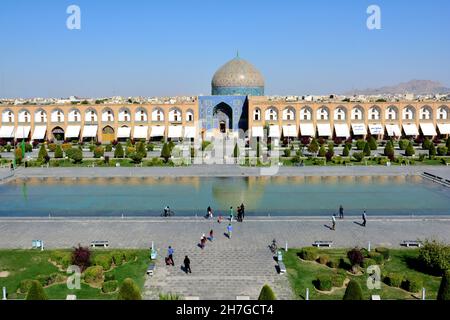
<point>223,117</point>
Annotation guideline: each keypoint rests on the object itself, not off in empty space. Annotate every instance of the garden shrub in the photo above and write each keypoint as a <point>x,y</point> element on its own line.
<point>66,146</point>
<point>309,254</point>
<point>373,143</point>
<point>110,286</point>
<point>393,280</point>
<point>367,151</point>
<point>136,157</point>
<point>368,262</point>
<point>426,144</point>
<point>266,293</point>
<point>403,144</point>
<point>52,147</point>
<point>345,152</point>
<point>150,147</point>
<point>410,150</point>
<point>117,257</point>
<point>323,259</point>
<point>81,257</point>
<point>75,154</point>
<point>434,257</point>
<point>322,152</point>
<point>93,275</point>
<point>59,152</point>
<point>444,288</point>
<point>129,255</point>
<point>358,156</point>
<point>337,280</point>
<point>25,285</point>
<point>287,153</point>
<point>166,152</point>
<point>118,153</point>
<point>353,291</point>
<point>108,148</point>
<point>333,264</point>
<point>355,256</point>
<point>360,144</point>
<point>18,155</point>
<point>377,257</point>
<point>442,151</point>
<point>129,291</point>
<point>141,149</point>
<point>61,258</point>
<point>344,263</point>
<point>412,284</point>
<point>384,252</point>
<point>313,147</point>
<point>109,276</point>
<point>36,292</point>
<point>103,260</point>
<point>324,283</point>
<point>431,151</point>
<point>99,152</point>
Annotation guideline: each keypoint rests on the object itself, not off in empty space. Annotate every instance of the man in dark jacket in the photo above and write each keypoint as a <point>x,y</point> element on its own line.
<point>187,265</point>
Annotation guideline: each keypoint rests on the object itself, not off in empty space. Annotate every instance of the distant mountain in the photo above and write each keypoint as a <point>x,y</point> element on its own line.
<point>413,86</point>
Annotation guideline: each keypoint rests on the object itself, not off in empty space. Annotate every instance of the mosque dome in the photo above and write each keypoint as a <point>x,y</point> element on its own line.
<point>238,77</point>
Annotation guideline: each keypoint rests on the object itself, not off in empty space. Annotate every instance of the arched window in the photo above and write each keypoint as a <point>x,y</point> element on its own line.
<point>175,115</point>
<point>426,113</point>
<point>57,116</point>
<point>408,113</point>
<point>289,114</point>
<point>391,113</point>
<point>306,113</point>
<point>157,115</point>
<point>357,113</point>
<point>257,114</point>
<point>443,113</point>
<point>271,114</point>
<point>189,116</point>
<point>340,113</point>
<point>323,113</point>
<point>375,113</point>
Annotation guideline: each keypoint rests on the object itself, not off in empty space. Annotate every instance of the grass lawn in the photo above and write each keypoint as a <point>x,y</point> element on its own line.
<point>302,274</point>
<point>29,264</point>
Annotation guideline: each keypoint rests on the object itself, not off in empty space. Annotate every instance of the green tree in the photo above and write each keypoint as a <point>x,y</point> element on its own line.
<point>373,143</point>
<point>236,151</point>
<point>322,151</point>
<point>313,146</point>
<point>129,290</point>
<point>367,150</point>
<point>359,156</point>
<point>389,150</point>
<point>99,152</point>
<point>36,291</point>
<point>409,151</point>
<point>118,153</point>
<point>267,293</point>
<point>426,144</point>
<point>43,154</point>
<point>136,157</point>
<point>444,288</point>
<point>59,152</point>
<point>140,148</point>
<point>18,155</point>
<point>447,144</point>
<point>353,291</point>
<point>432,151</point>
<point>345,152</point>
<point>75,154</point>
<point>171,145</point>
<point>166,153</point>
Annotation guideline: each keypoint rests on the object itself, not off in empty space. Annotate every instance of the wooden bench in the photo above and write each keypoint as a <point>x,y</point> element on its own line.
<point>322,244</point>
<point>411,243</point>
<point>37,244</point>
<point>282,267</point>
<point>100,243</point>
<point>151,269</point>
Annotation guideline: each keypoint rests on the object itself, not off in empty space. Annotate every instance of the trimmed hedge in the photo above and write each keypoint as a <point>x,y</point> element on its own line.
<point>110,286</point>
<point>353,291</point>
<point>36,292</point>
<point>25,285</point>
<point>109,276</point>
<point>266,293</point>
<point>62,258</point>
<point>333,264</point>
<point>324,283</point>
<point>393,280</point>
<point>384,252</point>
<point>323,259</point>
<point>118,257</point>
<point>129,291</point>
<point>93,274</point>
<point>368,262</point>
<point>309,254</point>
<point>412,284</point>
<point>444,288</point>
<point>129,255</point>
<point>103,260</point>
<point>377,257</point>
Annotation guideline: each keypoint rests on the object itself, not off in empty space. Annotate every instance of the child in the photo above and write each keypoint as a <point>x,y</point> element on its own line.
<point>211,235</point>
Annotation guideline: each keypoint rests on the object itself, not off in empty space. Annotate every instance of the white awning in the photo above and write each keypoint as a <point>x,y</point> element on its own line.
<point>190,132</point>
<point>175,132</point>
<point>140,132</point>
<point>39,133</point>
<point>7,132</point>
<point>375,129</point>
<point>157,131</point>
<point>290,131</point>
<point>428,129</point>
<point>324,129</point>
<point>307,130</point>
<point>342,130</point>
<point>444,128</point>
<point>393,130</point>
<point>22,132</point>
<point>359,129</point>
<point>258,132</point>
<point>274,131</point>
<point>124,132</point>
<point>72,131</point>
<point>410,130</point>
<point>90,131</point>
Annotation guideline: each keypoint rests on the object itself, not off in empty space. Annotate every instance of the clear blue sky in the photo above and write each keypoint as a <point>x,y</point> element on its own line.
<point>173,47</point>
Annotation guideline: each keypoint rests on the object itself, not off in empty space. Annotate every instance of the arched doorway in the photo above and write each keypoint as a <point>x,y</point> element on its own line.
<point>58,134</point>
<point>108,134</point>
<point>223,117</point>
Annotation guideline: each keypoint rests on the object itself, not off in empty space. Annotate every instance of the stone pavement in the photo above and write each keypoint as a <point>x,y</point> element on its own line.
<point>226,268</point>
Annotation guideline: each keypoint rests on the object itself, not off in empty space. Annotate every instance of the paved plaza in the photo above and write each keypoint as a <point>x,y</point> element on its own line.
<point>226,268</point>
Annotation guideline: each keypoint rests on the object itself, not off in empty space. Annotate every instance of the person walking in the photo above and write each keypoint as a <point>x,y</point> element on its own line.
<point>202,241</point>
<point>229,230</point>
<point>242,212</point>
<point>170,253</point>
<point>341,212</point>
<point>239,214</point>
<point>364,217</point>
<point>211,235</point>
<point>187,265</point>
<point>333,220</point>
<point>231,214</point>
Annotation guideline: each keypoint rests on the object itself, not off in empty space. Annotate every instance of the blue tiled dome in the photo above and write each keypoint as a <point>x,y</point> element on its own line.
<point>238,77</point>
